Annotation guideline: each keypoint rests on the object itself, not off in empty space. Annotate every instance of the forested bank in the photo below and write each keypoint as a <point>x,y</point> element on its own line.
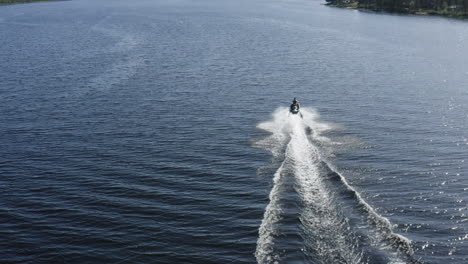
<point>452,8</point>
<point>11,2</point>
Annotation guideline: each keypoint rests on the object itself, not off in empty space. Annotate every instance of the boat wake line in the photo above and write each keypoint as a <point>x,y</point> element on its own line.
<point>314,215</point>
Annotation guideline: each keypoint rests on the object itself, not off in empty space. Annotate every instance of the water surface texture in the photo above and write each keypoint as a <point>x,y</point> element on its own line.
<point>158,132</point>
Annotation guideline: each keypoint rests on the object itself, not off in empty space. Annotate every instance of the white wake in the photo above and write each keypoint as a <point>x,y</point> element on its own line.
<point>327,234</point>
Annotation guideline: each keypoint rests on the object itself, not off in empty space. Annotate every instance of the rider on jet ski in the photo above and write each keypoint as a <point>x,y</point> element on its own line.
<point>294,108</point>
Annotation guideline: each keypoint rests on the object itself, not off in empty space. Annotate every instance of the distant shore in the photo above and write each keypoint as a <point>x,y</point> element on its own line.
<point>446,11</point>
<point>13,2</point>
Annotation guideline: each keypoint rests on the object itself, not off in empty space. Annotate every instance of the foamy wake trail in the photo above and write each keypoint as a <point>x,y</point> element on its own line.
<point>325,233</point>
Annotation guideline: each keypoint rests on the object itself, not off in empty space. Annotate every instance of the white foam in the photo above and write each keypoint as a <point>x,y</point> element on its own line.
<point>303,158</point>
<point>320,213</point>
<point>320,217</point>
<point>265,252</point>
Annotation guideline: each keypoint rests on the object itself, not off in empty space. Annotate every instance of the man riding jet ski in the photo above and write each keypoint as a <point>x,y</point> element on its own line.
<point>294,108</point>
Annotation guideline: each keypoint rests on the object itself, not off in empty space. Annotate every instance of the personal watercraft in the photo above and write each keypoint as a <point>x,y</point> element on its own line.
<point>294,109</point>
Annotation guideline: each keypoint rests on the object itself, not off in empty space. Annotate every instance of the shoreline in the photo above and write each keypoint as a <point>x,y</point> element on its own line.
<point>421,12</point>
<point>15,2</point>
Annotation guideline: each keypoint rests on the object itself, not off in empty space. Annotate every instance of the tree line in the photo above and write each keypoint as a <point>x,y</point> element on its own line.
<point>457,8</point>
<point>10,2</point>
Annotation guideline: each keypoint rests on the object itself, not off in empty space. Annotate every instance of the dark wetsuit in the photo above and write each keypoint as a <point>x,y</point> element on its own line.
<point>294,106</point>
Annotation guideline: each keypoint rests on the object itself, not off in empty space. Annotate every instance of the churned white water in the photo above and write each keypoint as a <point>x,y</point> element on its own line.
<point>325,231</point>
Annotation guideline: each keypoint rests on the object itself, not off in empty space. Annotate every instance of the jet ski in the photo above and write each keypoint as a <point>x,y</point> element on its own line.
<point>294,109</point>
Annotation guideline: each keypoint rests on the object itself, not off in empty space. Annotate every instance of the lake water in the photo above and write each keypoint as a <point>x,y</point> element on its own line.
<point>158,132</point>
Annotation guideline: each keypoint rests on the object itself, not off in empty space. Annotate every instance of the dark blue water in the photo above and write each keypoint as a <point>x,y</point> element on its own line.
<point>156,132</point>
